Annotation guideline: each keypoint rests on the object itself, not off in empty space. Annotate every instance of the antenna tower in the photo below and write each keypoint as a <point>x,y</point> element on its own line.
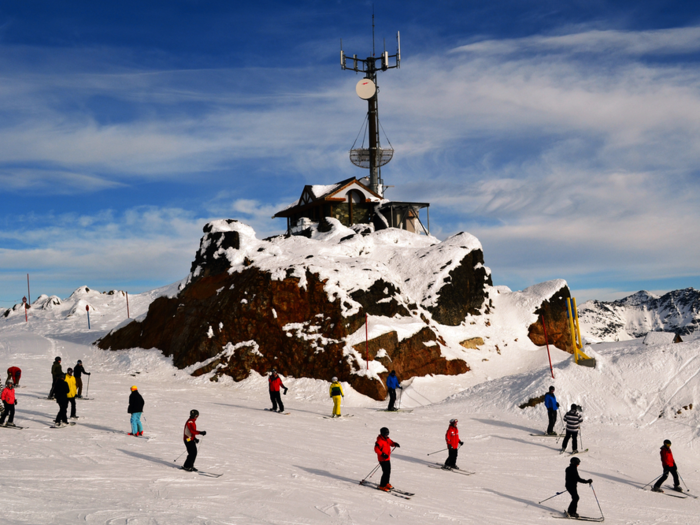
<point>373,157</point>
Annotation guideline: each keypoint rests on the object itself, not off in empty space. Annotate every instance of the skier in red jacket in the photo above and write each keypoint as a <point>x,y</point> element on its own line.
<point>275,384</point>
<point>383,447</point>
<point>190,438</point>
<point>669,467</point>
<point>453,444</point>
<point>9,401</point>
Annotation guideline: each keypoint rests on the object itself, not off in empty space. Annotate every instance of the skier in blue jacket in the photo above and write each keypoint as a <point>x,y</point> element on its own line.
<point>550,401</point>
<point>392,383</point>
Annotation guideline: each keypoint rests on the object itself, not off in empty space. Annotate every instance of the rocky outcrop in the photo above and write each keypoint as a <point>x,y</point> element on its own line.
<point>554,312</point>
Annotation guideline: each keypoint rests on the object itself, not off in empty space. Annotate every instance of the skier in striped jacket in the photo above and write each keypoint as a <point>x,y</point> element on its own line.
<point>573,420</point>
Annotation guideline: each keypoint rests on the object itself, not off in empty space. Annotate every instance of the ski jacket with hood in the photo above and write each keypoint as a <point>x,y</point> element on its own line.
<point>8,396</point>
<point>190,430</point>
<point>550,401</point>
<point>667,457</point>
<point>383,446</point>
<point>392,382</point>
<point>61,391</point>
<point>136,403</point>
<point>452,437</point>
<point>57,371</point>
<point>573,421</point>
<point>275,383</point>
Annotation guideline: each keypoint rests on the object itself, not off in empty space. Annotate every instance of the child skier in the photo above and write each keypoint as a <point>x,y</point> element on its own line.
<point>571,484</point>
<point>60,391</point>
<point>275,383</point>
<point>8,401</point>
<point>191,440</point>
<point>573,422</point>
<point>392,383</point>
<point>669,466</point>
<point>136,403</point>
<point>78,372</point>
<point>336,393</point>
<point>383,447</point>
<point>72,391</point>
<point>453,444</point>
<point>550,401</point>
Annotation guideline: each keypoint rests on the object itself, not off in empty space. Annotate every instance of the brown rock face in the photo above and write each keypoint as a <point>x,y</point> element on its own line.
<point>555,317</point>
<point>247,321</point>
<point>464,292</point>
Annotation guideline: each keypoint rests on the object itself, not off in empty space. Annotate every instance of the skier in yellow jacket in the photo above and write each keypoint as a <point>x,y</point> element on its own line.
<point>72,391</point>
<point>336,392</point>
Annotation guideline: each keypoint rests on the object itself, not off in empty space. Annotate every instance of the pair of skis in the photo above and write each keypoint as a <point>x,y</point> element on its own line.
<point>676,494</point>
<point>12,426</point>
<point>580,518</point>
<point>277,412</point>
<point>394,492</point>
<point>450,469</point>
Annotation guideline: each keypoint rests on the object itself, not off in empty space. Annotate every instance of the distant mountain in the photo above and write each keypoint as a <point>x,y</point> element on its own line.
<point>636,315</point>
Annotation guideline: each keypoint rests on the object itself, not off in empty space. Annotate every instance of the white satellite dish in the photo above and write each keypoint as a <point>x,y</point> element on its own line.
<point>365,89</point>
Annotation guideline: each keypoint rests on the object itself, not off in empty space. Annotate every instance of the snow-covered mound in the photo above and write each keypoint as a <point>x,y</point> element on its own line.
<point>636,315</point>
<point>306,305</point>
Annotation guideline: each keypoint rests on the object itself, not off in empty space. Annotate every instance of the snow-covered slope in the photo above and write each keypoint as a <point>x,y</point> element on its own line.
<point>636,315</point>
<point>304,469</point>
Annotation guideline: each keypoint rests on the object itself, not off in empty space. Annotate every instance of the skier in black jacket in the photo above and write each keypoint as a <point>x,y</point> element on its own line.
<point>571,484</point>
<point>60,391</point>
<point>78,372</point>
<point>135,408</point>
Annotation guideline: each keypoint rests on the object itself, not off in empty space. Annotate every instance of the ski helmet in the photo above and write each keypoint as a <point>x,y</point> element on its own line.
<point>80,362</point>
<point>453,422</point>
<point>10,383</point>
<point>384,431</point>
<point>551,389</point>
<point>57,359</point>
<point>574,407</point>
<point>194,413</point>
<point>334,379</point>
<point>575,461</point>
<point>69,371</point>
<point>667,442</point>
<point>134,388</point>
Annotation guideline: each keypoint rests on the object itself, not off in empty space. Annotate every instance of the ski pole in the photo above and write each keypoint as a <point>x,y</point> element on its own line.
<point>596,500</point>
<point>441,450</point>
<point>684,483</point>
<point>400,395</point>
<point>580,437</point>
<point>87,391</point>
<point>652,481</point>
<point>557,494</point>
<point>562,424</point>
<point>374,470</point>
<point>175,460</point>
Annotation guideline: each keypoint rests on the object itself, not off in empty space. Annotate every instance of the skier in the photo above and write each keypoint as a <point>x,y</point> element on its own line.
<point>453,444</point>
<point>136,403</point>
<point>275,383</point>
<point>9,401</point>
<point>550,401</point>
<point>14,373</point>
<point>191,440</point>
<point>573,422</point>
<point>78,371</point>
<point>571,484</point>
<point>383,447</point>
<point>72,391</point>
<point>57,376</point>
<point>392,383</point>
<point>60,391</point>
<point>336,393</point>
<point>669,467</point>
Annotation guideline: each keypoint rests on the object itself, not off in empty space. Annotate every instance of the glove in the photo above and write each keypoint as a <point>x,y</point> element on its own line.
<point>461,443</point>
<point>285,391</point>
<point>400,387</point>
<point>385,455</point>
<point>15,401</point>
<point>557,405</point>
<point>203,432</point>
<point>196,440</point>
<point>590,481</point>
<point>397,445</point>
<point>449,447</point>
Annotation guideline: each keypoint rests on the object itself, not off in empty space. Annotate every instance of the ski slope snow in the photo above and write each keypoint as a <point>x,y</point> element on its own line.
<point>304,469</point>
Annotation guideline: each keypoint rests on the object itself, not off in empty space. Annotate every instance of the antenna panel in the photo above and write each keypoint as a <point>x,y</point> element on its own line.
<point>365,89</point>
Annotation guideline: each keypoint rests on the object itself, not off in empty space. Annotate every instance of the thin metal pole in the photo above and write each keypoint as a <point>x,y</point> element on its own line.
<point>87,391</point>
<point>684,483</point>
<point>441,450</point>
<point>596,500</point>
<point>366,341</point>
<point>652,481</point>
<point>557,494</point>
<point>544,328</point>
<point>127,306</point>
<point>29,295</point>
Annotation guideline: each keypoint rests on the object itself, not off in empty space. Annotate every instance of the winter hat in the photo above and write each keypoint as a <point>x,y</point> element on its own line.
<point>194,413</point>
<point>334,379</point>
<point>575,461</point>
<point>134,388</point>
<point>384,431</point>
<point>574,407</point>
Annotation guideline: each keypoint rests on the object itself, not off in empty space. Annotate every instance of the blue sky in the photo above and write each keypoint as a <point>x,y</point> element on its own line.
<point>564,135</point>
